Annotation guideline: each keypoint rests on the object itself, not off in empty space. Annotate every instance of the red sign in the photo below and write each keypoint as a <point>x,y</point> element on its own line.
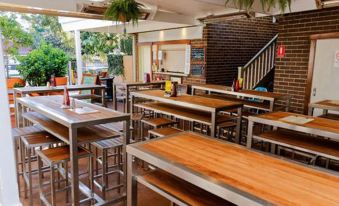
<point>281,51</point>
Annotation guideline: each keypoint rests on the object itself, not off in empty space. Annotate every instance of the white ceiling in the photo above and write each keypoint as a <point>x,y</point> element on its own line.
<point>164,13</point>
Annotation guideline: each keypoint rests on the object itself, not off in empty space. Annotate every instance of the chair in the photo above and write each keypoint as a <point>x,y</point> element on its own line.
<point>57,160</point>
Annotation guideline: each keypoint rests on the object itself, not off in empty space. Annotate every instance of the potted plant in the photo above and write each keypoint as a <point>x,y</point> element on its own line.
<point>266,4</point>
<point>40,64</point>
<point>124,11</point>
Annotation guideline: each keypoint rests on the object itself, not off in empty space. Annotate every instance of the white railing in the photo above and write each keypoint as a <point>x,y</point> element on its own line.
<point>259,66</point>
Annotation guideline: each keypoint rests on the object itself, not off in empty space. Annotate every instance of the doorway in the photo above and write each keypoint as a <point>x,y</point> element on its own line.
<point>323,81</point>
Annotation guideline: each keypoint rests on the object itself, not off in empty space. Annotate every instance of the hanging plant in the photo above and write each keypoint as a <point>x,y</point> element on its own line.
<point>124,11</point>
<point>266,4</point>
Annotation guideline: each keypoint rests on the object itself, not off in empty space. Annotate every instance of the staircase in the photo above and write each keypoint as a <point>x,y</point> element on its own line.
<point>255,71</point>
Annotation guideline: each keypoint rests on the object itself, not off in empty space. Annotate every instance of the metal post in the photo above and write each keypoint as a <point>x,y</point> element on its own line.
<point>78,55</point>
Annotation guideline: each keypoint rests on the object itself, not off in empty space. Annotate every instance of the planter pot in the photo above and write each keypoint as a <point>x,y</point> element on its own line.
<point>12,81</point>
<point>59,81</point>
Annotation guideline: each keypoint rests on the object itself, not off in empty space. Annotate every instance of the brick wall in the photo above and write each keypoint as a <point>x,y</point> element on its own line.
<point>233,43</point>
<point>294,32</point>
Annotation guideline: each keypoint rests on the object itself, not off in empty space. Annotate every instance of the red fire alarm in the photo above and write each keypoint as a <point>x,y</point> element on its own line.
<point>281,51</point>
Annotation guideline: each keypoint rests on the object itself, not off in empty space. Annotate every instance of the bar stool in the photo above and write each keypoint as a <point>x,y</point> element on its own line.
<point>156,123</point>
<point>225,130</point>
<point>57,160</point>
<point>30,143</point>
<point>108,149</point>
<point>16,134</point>
<point>136,125</point>
<point>162,132</point>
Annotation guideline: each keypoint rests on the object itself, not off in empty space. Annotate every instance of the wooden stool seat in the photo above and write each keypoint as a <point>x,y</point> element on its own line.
<point>18,132</point>
<point>39,139</point>
<point>179,191</point>
<point>158,122</point>
<point>60,154</point>
<point>110,143</point>
<point>137,116</point>
<point>165,131</point>
<point>227,124</point>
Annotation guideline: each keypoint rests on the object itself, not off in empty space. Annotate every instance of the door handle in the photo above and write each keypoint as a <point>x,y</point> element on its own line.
<point>314,92</point>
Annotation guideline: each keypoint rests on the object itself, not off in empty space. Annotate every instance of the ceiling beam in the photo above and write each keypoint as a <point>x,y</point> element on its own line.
<point>50,12</point>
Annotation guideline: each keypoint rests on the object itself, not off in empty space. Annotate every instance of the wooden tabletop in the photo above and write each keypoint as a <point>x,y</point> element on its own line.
<point>244,93</point>
<point>50,106</point>
<point>138,83</point>
<point>240,175</point>
<point>193,102</point>
<point>319,126</point>
<point>27,90</point>
<point>326,104</point>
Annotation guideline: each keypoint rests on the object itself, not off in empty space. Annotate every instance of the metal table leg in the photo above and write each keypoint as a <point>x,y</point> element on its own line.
<point>249,134</point>
<point>213,123</point>
<point>75,166</point>
<point>238,127</point>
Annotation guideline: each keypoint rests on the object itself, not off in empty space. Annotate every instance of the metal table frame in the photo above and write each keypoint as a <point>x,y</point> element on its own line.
<point>319,105</point>
<point>23,91</point>
<point>285,125</point>
<point>127,86</point>
<point>220,189</point>
<point>205,108</point>
<point>227,90</point>
<point>72,128</point>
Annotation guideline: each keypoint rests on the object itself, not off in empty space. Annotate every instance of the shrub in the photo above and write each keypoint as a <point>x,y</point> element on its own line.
<point>37,67</point>
<point>115,64</point>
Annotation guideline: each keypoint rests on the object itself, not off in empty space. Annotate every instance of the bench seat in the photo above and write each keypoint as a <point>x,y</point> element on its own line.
<point>179,191</point>
<point>302,142</point>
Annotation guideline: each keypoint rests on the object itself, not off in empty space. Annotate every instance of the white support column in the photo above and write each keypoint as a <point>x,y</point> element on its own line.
<point>134,57</point>
<point>78,55</point>
<point>9,194</point>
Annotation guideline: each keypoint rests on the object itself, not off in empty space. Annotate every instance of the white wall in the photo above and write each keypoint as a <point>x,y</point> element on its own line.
<point>172,34</point>
<point>9,195</point>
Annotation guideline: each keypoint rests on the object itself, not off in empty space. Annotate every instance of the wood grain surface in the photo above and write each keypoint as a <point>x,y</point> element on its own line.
<point>273,180</point>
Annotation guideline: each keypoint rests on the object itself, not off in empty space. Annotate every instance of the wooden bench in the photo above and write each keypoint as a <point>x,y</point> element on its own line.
<point>165,131</point>
<point>179,191</point>
<point>330,116</point>
<point>181,112</point>
<point>305,143</point>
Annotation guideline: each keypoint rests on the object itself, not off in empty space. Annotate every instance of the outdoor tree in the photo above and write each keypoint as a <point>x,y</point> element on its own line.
<point>14,36</point>
<point>48,29</point>
<point>40,64</point>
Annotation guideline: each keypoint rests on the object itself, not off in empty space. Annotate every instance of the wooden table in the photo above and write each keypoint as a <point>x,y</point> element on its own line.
<point>73,128</point>
<point>272,97</point>
<point>319,126</point>
<point>235,173</point>
<point>325,105</point>
<point>24,91</point>
<point>213,106</point>
<point>127,88</point>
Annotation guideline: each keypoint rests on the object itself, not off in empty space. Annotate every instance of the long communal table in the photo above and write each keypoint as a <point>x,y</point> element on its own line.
<point>271,97</point>
<point>318,126</point>
<point>24,91</point>
<point>74,129</point>
<point>127,88</point>
<point>212,106</point>
<point>325,106</point>
<point>235,173</point>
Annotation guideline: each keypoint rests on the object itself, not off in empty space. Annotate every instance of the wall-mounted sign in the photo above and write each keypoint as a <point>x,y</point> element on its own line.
<point>197,70</point>
<point>281,51</point>
<point>336,59</point>
<point>198,54</point>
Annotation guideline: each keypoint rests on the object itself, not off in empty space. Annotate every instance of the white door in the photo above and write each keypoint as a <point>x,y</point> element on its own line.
<point>144,60</point>
<point>325,83</point>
